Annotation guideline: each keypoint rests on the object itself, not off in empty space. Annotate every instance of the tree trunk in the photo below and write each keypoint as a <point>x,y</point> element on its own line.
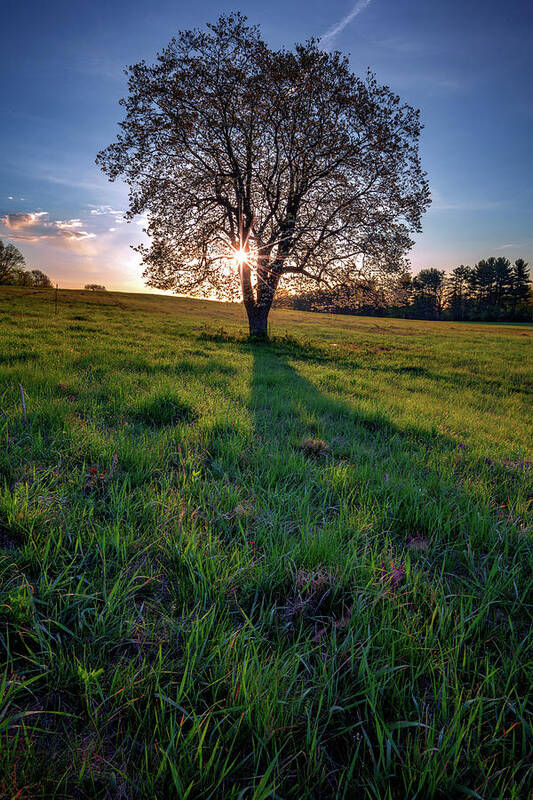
<point>258,309</point>
<point>258,322</point>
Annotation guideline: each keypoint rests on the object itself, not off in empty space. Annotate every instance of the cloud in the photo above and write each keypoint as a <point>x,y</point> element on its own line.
<point>106,258</point>
<point>35,226</point>
<point>69,223</point>
<point>17,221</point>
<point>105,211</point>
<point>326,40</point>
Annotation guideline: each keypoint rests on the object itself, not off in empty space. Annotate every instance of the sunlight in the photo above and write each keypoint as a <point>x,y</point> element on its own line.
<point>240,257</point>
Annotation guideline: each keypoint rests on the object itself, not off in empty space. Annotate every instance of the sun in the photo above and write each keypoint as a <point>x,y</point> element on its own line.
<point>240,257</point>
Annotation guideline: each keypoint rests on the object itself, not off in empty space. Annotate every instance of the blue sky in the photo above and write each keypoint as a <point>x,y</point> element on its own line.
<point>466,65</point>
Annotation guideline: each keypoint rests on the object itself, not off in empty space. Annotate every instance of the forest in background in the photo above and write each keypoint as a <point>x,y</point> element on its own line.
<point>492,290</point>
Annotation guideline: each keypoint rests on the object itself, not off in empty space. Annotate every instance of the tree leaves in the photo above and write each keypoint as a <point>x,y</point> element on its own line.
<point>227,143</point>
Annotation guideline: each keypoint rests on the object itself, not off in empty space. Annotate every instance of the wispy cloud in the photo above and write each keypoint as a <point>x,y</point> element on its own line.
<point>326,41</point>
<point>103,211</point>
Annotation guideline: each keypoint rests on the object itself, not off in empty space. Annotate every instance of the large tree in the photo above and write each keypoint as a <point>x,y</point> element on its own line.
<point>11,262</point>
<point>254,165</point>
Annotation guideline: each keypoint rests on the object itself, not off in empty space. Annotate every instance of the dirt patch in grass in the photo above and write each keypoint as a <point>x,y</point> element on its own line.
<point>315,448</point>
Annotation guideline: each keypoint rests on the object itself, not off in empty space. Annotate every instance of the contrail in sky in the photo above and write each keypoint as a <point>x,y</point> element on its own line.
<point>327,39</point>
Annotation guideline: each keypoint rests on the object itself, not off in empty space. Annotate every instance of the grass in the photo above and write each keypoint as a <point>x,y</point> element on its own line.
<point>227,570</point>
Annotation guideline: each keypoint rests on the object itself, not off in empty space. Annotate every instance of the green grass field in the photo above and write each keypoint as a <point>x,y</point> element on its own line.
<point>295,570</point>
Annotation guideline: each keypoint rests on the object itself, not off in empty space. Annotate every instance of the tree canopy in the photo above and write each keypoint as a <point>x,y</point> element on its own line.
<point>254,164</point>
<point>12,272</point>
<point>39,279</point>
<point>11,261</point>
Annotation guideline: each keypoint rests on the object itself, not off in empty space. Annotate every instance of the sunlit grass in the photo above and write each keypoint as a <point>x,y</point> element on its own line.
<point>300,570</point>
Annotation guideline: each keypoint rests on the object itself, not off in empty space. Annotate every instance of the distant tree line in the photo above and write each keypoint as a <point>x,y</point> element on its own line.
<point>33,277</point>
<point>94,287</point>
<point>12,272</point>
<point>491,290</point>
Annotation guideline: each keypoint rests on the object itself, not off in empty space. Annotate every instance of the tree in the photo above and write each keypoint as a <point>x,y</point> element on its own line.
<point>254,165</point>
<point>367,295</point>
<point>401,294</point>
<point>520,282</point>
<point>491,287</point>
<point>94,287</point>
<point>458,291</point>
<point>428,298</point>
<point>502,284</point>
<point>11,261</point>
<point>22,277</point>
<point>39,279</point>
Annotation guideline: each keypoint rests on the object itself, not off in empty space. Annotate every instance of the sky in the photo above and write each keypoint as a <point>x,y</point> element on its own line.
<point>466,64</point>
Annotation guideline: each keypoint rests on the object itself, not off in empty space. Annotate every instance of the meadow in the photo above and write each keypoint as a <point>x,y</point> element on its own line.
<point>300,569</point>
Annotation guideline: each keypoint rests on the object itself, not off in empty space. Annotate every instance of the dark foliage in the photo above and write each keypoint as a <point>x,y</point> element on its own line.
<point>12,272</point>
<point>284,156</point>
<point>11,262</point>
<point>492,290</point>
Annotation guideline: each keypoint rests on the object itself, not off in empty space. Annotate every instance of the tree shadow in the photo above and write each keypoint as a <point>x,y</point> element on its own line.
<point>327,481</point>
<point>356,357</point>
<point>369,530</point>
<point>330,471</point>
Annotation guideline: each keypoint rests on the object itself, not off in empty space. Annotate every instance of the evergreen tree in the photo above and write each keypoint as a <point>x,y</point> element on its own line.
<point>482,286</point>
<point>520,290</point>
<point>502,286</point>
<point>428,301</point>
<point>459,291</point>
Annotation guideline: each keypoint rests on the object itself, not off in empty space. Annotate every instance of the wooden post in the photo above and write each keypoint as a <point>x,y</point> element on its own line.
<point>57,287</point>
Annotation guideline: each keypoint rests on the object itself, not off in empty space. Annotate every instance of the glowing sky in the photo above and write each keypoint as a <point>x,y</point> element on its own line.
<point>466,65</point>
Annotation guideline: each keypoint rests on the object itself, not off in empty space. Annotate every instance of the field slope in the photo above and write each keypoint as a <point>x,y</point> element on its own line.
<point>228,570</point>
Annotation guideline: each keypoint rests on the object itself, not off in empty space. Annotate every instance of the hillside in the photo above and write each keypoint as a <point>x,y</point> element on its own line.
<point>295,570</point>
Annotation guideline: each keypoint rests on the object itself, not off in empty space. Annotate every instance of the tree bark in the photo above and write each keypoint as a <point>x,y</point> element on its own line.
<point>258,309</point>
<point>258,323</point>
